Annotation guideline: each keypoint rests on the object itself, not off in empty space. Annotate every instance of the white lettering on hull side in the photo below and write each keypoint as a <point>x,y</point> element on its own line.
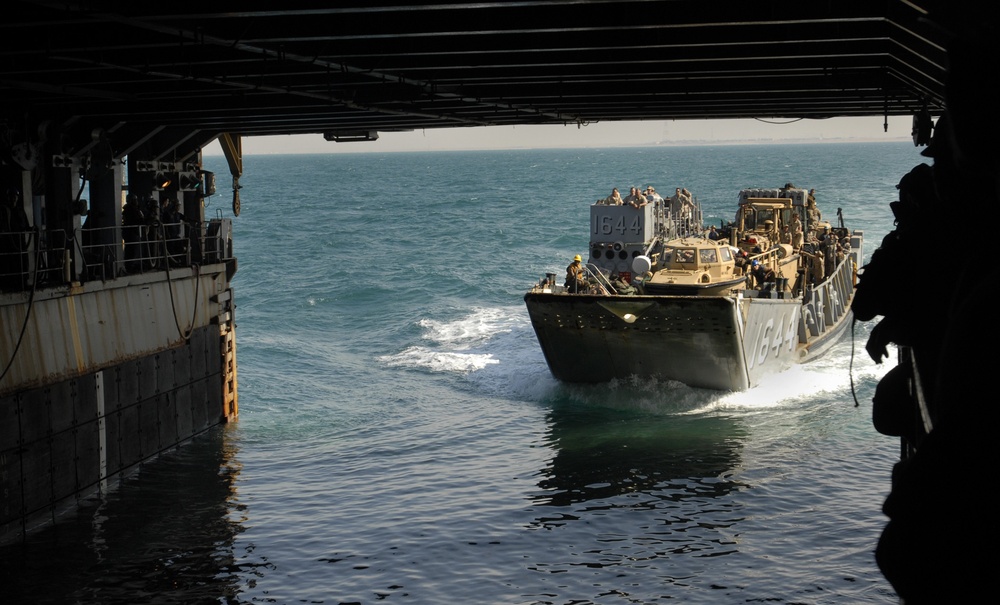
<point>774,337</point>
<point>610,225</point>
<point>815,318</point>
<point>827,304</point>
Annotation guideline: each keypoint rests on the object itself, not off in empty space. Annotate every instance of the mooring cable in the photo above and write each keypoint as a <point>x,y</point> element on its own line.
<point>197,286</point>
<point>850,369</point>
<point>27,314</point>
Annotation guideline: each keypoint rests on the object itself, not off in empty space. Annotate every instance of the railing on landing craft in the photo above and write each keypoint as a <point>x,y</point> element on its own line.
<point>675,219</point>
<point>49,256</point>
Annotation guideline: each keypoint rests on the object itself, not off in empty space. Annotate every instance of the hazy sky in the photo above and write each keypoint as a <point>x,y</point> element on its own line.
<point>604,134</point>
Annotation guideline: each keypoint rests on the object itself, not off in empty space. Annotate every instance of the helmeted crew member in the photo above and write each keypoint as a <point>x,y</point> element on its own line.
<point>761,274</point>
<point>574,274</point>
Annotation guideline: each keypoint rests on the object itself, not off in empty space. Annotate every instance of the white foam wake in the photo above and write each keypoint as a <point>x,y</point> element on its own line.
<point>463,344</point>
<point>438,361</point>
<point>478,325</point>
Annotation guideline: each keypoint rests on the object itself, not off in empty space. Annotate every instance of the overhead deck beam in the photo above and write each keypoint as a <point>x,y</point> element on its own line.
<point>379,66</point>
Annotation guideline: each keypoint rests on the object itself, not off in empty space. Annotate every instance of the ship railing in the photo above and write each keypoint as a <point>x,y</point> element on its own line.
<point>593,282</point>
<point>673,220</point>
<point>776,287</point>
<point>828,302</point>
<point>152,247</point>
<point>15,260</point>
<point>836,290</point>
<point>599,279</point>
<point>50,257</point>
<point>768,258</point>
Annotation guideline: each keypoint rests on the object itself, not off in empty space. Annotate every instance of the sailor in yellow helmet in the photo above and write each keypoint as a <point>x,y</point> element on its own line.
<point>574,274</point>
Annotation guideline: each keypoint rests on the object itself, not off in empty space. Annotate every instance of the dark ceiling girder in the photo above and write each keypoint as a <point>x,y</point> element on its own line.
<point>138,68</point>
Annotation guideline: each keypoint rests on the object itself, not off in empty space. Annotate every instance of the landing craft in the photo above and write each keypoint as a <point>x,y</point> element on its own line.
<point>662,297</point>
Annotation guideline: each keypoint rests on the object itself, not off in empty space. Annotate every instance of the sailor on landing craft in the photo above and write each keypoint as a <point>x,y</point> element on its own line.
<point>574,275</point>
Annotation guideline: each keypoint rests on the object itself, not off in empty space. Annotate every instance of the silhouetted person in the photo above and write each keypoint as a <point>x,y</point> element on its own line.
<point>940,543</point>
<point>172,221</point>
<point>133,223</point>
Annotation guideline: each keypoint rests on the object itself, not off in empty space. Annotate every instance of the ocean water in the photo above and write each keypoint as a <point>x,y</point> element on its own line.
<point>400,438</point>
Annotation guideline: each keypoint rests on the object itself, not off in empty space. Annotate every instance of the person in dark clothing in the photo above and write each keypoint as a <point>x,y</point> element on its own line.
<point>133,224</point>
<point>761,274</point>
<point>939,545</point>
<point>173,231</point>
<point>153,250</point>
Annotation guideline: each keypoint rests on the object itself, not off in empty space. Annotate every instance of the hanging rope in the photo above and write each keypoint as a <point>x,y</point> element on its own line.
<point>27,314</point>
<point>186,335</point>
<point>850,369</point>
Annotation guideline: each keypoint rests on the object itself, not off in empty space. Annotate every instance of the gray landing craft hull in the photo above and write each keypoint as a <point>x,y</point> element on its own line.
<point>725,343</point>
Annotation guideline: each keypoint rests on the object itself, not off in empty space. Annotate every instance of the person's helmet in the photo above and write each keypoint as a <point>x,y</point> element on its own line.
<point>577,257</point>
<point>754,263</point>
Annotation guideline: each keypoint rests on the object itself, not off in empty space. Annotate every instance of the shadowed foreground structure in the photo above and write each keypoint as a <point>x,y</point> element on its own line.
<point>936,400</point>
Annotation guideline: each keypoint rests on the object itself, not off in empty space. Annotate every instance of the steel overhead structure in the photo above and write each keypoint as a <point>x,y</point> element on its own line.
<point>185,72</point>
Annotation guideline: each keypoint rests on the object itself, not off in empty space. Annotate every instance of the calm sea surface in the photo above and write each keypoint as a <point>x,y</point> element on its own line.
<point>401,439</point>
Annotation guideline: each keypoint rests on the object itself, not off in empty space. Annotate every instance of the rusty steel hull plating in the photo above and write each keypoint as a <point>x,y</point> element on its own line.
<point>103,376</point>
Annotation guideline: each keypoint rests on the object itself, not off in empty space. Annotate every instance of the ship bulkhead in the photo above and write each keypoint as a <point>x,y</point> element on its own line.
<point>117,338</point>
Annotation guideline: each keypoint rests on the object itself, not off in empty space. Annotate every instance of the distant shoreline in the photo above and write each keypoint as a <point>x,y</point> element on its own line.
<point>372,147</point>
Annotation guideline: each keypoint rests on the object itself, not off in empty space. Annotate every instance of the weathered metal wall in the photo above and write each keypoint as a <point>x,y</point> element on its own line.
<point>64,441</point>
<point>70,331</point>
